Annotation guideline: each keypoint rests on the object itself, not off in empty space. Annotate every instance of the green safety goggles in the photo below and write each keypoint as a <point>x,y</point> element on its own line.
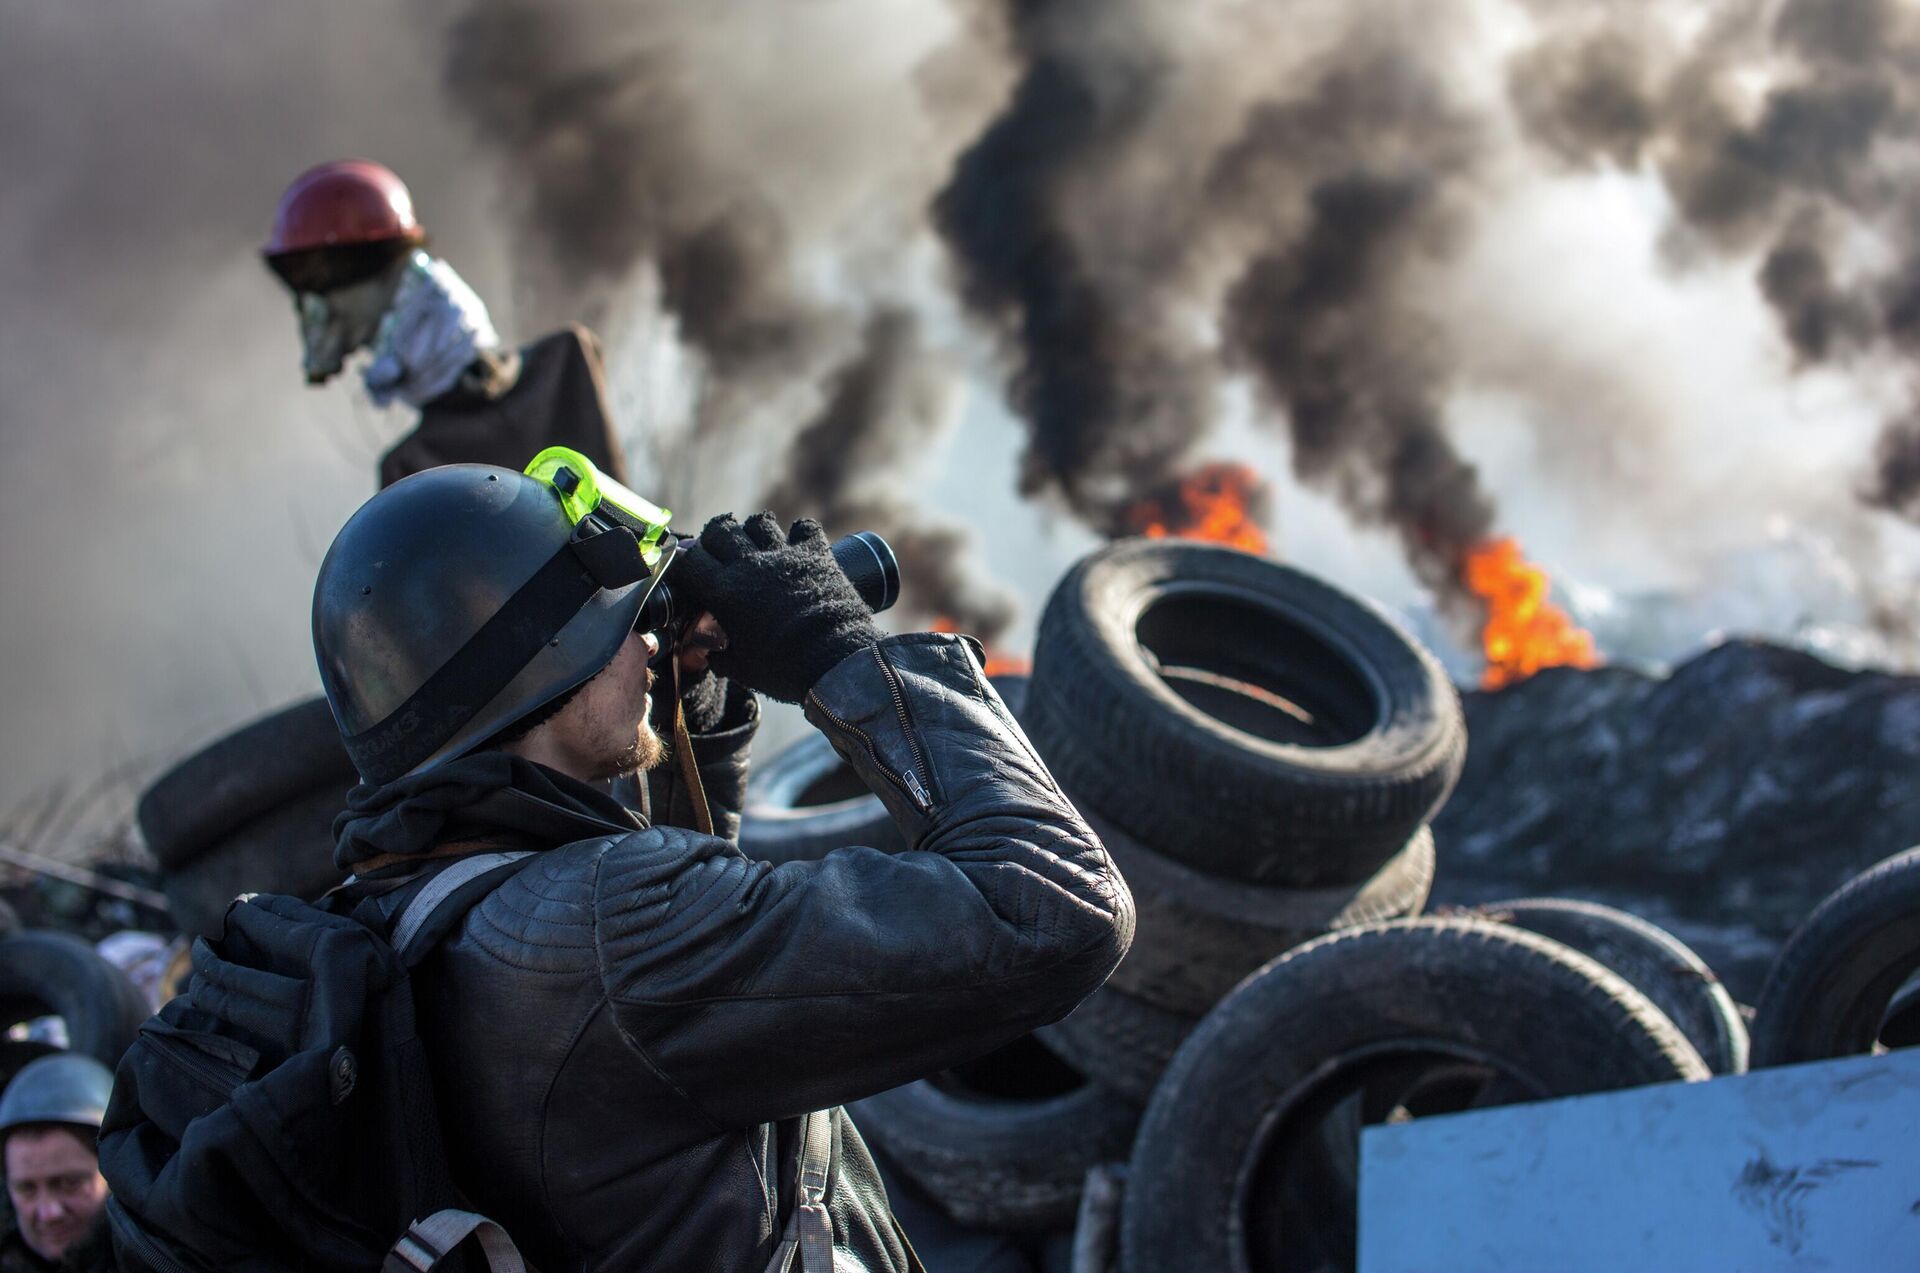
<point>621,537</point>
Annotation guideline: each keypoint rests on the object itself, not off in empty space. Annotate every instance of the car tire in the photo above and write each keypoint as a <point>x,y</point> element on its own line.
<point>1652,960</point>
<point>1197,936</point>
<point>288,849</point>
<point>1003,1143</point>
<point>1260,1080</point>
<point>202,801</point>
<point>45,973</point>
<point>1241,716</point>
<point>1833,983</point>
<point>1121,1042</point>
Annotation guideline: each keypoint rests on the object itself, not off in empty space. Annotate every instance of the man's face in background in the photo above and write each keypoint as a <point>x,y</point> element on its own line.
<point>53,1178</point>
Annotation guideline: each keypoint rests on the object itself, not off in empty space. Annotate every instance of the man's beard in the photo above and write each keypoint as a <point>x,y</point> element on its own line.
<point>646,751</point>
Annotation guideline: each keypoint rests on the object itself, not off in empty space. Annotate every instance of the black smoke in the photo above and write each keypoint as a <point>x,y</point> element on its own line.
<point>1112,398</point>
<point>1795,178</point>
<point>609,176</point>
<point>1316,208</point>
<point>605,172</point>
<point>1374,163</point>
<point>880,408</point>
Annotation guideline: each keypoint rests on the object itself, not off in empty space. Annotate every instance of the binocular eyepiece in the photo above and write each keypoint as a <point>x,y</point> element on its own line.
<point>864,558</point>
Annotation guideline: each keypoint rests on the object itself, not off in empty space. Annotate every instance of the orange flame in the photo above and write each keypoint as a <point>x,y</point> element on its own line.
<point>1213,503</point>
<point>1524,632</point>
<point>999,662</point>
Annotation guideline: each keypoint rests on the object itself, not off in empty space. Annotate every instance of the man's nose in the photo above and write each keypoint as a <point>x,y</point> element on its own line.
<point>652,643</point>
<point>50,1210</point>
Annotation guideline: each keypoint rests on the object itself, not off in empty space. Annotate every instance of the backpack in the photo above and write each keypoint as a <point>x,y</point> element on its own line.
<point>280,1114</point>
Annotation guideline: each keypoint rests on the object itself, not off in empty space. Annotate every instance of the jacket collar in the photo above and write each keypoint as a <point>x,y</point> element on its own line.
<point>487,796</point>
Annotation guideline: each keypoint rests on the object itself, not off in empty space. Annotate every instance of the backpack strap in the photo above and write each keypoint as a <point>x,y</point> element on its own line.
<point>429,1241</point>
<point>438,904</point>
<point>809,1234</point>
<point>427,914</point>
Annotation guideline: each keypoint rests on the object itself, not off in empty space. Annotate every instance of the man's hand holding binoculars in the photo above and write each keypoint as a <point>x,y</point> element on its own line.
<point>784,610</point>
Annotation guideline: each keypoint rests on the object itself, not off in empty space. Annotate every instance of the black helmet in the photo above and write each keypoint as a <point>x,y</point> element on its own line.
<point>69,1087</point>
<point>460,599</point>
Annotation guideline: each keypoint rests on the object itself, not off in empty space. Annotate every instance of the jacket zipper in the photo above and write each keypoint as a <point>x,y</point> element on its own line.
<point>906,727</point>
<point>914,791</point>
<point>208,1074</point>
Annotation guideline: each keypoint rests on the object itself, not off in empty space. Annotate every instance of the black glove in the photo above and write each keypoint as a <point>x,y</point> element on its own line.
<point>704,698</point>
<point>702,694</point>
<point>790,612</point>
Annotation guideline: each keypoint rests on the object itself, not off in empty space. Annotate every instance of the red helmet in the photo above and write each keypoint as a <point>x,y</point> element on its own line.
<point>346,203</point>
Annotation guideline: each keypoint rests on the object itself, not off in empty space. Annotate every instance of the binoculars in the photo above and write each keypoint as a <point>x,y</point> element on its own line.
<point>864,558</point>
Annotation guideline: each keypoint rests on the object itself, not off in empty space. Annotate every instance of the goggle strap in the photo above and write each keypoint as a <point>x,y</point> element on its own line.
<point>612,556</point>
<point>486,664</point>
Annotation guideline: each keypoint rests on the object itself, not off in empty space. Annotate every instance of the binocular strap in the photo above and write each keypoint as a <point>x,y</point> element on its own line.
<point>683,757</point>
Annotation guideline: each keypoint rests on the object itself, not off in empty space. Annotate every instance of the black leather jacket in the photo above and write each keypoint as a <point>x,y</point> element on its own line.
<point>625,1033</point>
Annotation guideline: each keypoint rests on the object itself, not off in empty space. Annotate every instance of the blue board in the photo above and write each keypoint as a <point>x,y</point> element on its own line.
<point>1803,1167</point>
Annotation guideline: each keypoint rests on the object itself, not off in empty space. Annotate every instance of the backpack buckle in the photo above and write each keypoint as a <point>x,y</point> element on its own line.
<point>413,1252</point>
<point>429,1240</point>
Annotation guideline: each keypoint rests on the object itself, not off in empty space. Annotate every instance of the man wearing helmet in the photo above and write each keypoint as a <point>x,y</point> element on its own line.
<point>347,244</point>
<point>640,1039</point>
<point>49,1121</point>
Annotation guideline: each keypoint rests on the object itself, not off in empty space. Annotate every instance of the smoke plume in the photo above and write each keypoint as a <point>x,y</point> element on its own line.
<point>1812,173</point>
<point>1277,234</point>
<point>600,132</point>
<point>881,407</point>
<point>621,168</point>
<point>1111,396</point>
<point>1374,158</point>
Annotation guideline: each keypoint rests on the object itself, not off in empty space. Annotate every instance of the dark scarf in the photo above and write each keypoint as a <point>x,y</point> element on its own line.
<point>490,795</point>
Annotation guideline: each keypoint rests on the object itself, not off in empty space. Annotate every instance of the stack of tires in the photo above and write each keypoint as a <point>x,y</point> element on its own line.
<point>1259,751</point>
<point>1261,754</point>
<point>251,812</point>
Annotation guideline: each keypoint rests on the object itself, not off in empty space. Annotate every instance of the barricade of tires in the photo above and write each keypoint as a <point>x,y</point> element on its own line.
<point>251,812</point>
<point>1262,754</point>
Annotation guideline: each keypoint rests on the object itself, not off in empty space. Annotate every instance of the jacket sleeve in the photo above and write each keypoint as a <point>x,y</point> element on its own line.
<point>764,992</point>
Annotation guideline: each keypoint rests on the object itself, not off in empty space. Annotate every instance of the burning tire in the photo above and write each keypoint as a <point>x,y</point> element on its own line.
<point>1002,1143</point>
<point>1196,936</point>
<point>48,974</point>
<point>1247,1156</point>
<point>1239,715</point>
<point>1841,981</point>
<point>806,801</point>
<point>1651,960</point>
<point>277,760</point>
<point>288,849</point>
